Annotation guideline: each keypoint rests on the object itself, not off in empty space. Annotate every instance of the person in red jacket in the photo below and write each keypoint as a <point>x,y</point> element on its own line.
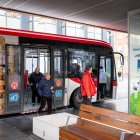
<point>88,89</point>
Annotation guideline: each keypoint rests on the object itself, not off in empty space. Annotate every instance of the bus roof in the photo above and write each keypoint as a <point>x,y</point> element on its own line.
<point>39,35</point>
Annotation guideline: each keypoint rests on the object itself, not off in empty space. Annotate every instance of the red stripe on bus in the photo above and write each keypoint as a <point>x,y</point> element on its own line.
<point>31,34</point>
<point>77,80</point>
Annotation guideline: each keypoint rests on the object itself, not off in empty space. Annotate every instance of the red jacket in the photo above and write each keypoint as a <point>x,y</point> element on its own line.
<point>87,85</point>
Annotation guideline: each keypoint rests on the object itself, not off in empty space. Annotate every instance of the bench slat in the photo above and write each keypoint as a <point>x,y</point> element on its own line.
<point>91,126</point>
<point>110,113</point>
<point>61,138</point>
<point>68,135</point>
<point>69,131</point>
<point>111,122</point>
<point>115,133</point>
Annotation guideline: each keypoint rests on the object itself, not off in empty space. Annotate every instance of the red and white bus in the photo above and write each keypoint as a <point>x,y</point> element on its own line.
<point>62,56</point>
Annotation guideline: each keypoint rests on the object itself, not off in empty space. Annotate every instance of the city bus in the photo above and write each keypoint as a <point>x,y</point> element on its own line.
<point>64,57</point>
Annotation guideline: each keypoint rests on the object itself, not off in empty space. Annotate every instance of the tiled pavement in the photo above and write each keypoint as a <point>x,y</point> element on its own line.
<point>20,127</point>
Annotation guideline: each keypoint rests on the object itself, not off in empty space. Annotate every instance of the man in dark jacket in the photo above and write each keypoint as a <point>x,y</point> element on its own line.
<point>34,79</point>
<point>44,90</point>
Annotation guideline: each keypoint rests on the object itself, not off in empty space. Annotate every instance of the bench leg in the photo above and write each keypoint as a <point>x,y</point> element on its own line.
<point>67,120</point>
<point>123,134</point>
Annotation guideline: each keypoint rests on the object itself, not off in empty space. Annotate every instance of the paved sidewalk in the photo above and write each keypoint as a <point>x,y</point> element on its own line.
<point>20,127</point>
<point>17,128</point>
<point>122,89</point>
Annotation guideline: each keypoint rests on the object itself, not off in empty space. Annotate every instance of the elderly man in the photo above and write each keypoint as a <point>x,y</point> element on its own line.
<point>44,90</point>
<point>34,79</point>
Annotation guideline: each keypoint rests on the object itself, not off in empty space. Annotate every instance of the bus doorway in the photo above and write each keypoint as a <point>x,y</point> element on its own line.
<point>33,58</point>
<point>105,78</point>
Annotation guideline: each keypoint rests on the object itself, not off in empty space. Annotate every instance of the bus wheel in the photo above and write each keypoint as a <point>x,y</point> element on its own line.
<point>77,98</point>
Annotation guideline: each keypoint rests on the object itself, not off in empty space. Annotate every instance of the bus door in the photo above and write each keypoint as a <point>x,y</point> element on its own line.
<point>13,79</point>
<point>34,57</point>
<point>58,75</point>
<point>105,77</point>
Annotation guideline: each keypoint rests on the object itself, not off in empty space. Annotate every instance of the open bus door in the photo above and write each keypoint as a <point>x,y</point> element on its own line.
<point>105,77</point>
<point>13,81</point>
<point>49,61</point>
<point>58,75</point>
<point>107,85</point>
<point>33,57</point>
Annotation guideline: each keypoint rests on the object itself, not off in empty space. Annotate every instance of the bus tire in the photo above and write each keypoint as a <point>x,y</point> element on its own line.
<point>77,98</point>
<point>71,101</point>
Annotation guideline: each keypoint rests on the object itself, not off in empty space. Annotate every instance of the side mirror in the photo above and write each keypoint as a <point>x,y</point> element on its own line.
<point>121,57</point>
<point>122,60</point>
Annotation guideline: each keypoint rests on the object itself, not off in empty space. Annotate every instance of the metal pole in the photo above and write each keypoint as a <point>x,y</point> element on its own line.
<point>38,58</point>
<point>129,50</point>
<point>32,63</point>
<point>44,62</point>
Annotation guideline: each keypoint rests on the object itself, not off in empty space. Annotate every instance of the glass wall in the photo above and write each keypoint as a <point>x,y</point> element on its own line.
<point>23,21</point>
<point>13,20</point>
<point>134,62</point>
<point>2,18</point>
<point>10,19</point>
<point>73,29</point>
<point>42,24</point>
<point>91,32</point>
<point>108,36</point>
<point>98,33</point>
<point>94,33</point>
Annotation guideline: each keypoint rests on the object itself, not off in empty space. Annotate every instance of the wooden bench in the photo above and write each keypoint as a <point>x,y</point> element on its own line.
<point>96,123</point>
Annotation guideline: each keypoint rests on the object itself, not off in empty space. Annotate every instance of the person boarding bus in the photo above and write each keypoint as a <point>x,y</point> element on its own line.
<point>102,82</point>
<point>88,88</point>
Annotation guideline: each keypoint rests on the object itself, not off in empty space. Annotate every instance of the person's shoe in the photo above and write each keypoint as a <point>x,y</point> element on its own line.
<point>102,97</point>
<point>48,113</point>
<point>107,95</point>
<point>33,104</point>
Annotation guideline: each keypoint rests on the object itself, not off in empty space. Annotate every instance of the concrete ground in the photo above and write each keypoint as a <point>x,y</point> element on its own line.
<point>20,127</point>
<point>122,89</point>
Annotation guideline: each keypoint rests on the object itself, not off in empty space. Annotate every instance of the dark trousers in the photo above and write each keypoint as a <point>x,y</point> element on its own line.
<point>43,104</point>
<point>86,100</point>
<point>35,95</point>
<point>102,87</point>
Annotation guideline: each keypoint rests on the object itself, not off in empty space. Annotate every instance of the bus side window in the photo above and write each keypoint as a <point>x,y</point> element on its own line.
<point>74,66</point>
<point>75,71</point>
<point>78,60</point>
